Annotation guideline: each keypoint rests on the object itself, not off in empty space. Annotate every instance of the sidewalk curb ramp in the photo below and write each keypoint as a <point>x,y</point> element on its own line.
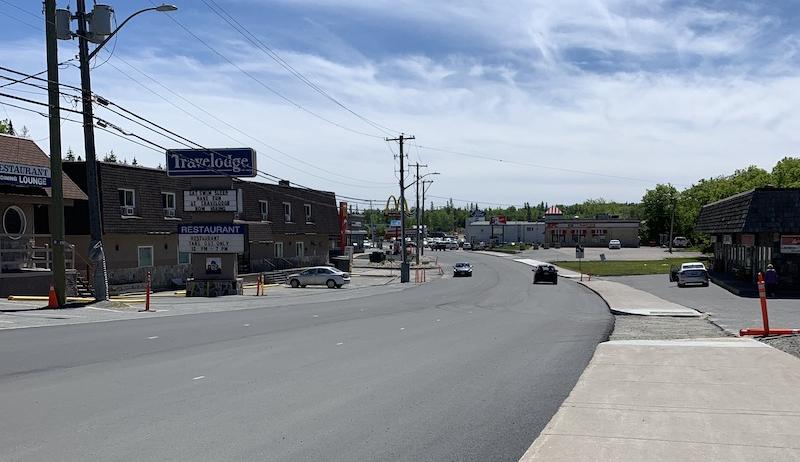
<point>623,299</point>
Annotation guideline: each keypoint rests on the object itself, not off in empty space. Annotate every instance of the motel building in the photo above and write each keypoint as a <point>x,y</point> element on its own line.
<point>25,242</point>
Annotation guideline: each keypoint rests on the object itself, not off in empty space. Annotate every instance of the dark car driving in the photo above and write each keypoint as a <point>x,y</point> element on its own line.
<point>545,273</point>
<point>462,269</point>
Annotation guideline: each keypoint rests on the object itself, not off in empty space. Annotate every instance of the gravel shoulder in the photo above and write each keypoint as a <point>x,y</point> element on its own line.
<point>786,343</point>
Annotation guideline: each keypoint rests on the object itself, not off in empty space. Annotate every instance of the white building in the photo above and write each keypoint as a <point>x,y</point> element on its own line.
<point>513,231</point>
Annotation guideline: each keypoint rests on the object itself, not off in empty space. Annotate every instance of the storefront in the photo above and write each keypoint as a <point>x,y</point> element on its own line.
<point>754,229</point>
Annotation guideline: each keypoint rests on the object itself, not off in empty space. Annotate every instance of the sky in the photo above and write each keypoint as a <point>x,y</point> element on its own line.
<point>509,101</point>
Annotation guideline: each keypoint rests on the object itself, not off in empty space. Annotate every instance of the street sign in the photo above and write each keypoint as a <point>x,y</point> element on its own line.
<point>232,162</point>
<point>790,243</point>
<point>24,175</point>
<point>578,252</point>
<point>394,224</point>
<point>209,200</point>
<point>211,238</point>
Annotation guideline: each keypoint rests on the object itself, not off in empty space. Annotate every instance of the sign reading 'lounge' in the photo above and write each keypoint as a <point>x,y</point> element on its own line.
<point>211,238</point>
<point>24,175</point>
<point>233,162</point>
<point>209,200</point>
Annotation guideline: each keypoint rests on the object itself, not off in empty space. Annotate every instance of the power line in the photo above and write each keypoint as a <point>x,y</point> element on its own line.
<point>267,87</point>
<point>266,49</point>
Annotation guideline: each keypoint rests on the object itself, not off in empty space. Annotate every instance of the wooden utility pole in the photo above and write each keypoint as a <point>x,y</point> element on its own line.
<point>57,187</point>
<point>404,268</point>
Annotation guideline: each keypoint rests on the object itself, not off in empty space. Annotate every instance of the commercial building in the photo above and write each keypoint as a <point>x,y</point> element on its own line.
<point>142,208</point>
<point>753,229</point>
<point>501,232</point>
<point>25,240</point>
<point>590,232</point>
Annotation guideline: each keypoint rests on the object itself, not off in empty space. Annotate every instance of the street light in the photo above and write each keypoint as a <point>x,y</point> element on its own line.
<point>419,215</point>
<point>91,27</point>
<point>422,219</point>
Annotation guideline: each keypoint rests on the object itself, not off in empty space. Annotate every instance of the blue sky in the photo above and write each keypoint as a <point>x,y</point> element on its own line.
<point>581,99</point>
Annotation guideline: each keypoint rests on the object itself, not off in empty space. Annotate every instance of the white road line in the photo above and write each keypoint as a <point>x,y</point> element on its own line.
<point>153,337</point>
<point>246,325</point>
<point>316,315</point>
<point>199,377</point>
<point>402,328</point>
<point>103,309</point>
<point>340,344</point>
<point>438,320</point>
<point>7,322</point>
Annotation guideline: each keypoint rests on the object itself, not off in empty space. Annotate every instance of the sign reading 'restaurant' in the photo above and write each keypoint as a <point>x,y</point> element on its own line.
<point>234,162</point>
<point>211,238</point>
<point>790,243</point>
<point>24,175</point>
<point>223,200</point>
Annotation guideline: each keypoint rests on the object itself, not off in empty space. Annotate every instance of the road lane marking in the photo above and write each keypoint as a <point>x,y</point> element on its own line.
<point>402,328</point>
<point>316,315</point>
<point>246,325</point>
<point>153,337</point>
<point>199,377</point>
<point>340,344</point>
<point>438,320</point>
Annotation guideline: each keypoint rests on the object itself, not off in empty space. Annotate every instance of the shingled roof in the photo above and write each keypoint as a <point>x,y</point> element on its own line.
<point>24,151</point>
<point>760,210</point>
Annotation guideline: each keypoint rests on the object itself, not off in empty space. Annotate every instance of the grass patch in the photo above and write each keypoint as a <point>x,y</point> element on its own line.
<point>519,247</point>
<point>625,267</point>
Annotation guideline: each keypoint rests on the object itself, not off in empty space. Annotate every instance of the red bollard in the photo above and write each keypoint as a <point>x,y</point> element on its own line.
<point>762,294</point>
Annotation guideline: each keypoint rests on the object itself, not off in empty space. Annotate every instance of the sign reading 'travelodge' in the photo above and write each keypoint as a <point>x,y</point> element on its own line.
<point>234,162</point>
<point>211,238</point>
<point>24,175</point>
<point>208,200</point>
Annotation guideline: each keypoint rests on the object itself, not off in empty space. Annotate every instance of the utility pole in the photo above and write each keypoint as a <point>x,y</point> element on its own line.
<point>404,269</point>
<point>57,189</point>
<point>422,211</point>
<point>672,222</point>
<point>96,253</point>
<point>372,222</point>
<point>416,209</point>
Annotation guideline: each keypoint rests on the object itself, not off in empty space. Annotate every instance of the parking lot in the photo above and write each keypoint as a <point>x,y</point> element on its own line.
<point>593,253</point>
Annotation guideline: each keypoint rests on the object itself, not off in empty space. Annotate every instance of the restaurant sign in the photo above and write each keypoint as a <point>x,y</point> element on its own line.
<point>211,238</point>
<point>24,175</point>
<point>790,243</point>
<point>209,200</point>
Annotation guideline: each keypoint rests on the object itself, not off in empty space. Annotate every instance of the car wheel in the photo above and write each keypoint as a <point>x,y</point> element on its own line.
<point>331,283</point>
<point>555,281</point>
<point>303,286</point>
<point>294,283</point>
<point>681,285</point>
<point>338,286</point>
<point>705,284</point>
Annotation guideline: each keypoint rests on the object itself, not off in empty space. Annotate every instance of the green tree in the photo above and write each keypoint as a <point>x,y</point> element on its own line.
<point>70,155</point>
<point>657,205</point>
<point>7,127</point>
<point>786,173</point>
<point>110,157</point>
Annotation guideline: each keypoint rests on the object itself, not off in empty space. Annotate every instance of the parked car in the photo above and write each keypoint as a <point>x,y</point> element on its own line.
<point>462,269</point>
<point>452,245</point>
<point>467,246</point>
<point>692,273</point>
<point>438,245</point>
<point>614,244</point>
<point>681,241</point>
<point>545,273</point>
<point>319,275</point>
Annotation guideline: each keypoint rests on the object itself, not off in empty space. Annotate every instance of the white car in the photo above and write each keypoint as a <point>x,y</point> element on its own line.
<point>452,245</point>
<point>319,275</point>
<point>614,244</point>
<point>692,273</point>
<point>680,241</point>
<point>467,246</point>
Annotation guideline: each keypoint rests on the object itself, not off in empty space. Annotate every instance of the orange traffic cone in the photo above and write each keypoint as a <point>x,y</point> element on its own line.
<point>52,299</point>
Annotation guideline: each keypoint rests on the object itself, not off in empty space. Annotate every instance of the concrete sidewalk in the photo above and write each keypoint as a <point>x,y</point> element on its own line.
<point>623,299</point>
<point>723,399</point>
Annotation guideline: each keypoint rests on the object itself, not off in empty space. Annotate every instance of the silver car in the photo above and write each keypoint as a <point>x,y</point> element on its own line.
<point>692,273</point>
<point>319,275</point>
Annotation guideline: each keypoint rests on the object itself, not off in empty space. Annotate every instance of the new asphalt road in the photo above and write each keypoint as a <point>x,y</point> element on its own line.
<point>457,369</point>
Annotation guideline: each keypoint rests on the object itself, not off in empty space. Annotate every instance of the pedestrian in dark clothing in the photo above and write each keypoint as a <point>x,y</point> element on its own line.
<point>771,280</point>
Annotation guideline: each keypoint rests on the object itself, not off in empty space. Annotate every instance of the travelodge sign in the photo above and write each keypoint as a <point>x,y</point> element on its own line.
<point>232,162</point>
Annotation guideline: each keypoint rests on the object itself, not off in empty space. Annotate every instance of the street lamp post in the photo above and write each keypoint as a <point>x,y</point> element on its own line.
<point>96,253</point>
<point>422,219</point>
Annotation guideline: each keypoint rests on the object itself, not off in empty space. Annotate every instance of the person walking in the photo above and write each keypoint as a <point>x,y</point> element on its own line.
<point>771,280</point>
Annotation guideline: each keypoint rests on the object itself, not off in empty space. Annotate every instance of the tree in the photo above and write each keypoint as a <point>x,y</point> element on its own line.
<point>24,133</point>
<point>657,205</point>
<point>7,127</point>
<point>110,157</point>
<point>70,155</point>
<point>134,161</point>
<point>786,173</point>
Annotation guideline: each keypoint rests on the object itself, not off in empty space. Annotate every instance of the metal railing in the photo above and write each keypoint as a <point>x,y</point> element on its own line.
<point>35,257</point>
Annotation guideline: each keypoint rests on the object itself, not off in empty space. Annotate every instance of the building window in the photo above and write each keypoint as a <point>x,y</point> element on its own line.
<point>184,258</point>
<point>127,202</point>
<point>264,208</point>
<point>300,249</point>
<point>279,249</point>
<point>168,204</point>
<point>145,255</point>
<point>307,208</point>
<point>14,222</point>
<point>287,212</point>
